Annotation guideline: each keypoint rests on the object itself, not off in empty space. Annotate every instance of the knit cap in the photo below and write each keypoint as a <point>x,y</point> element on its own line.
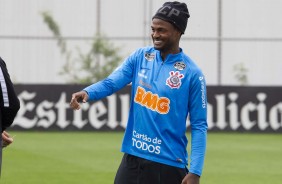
<point>175,13</point>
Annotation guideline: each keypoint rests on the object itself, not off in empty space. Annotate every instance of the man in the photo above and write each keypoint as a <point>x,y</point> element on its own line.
<point>9,106</point>
<point>167,86</point>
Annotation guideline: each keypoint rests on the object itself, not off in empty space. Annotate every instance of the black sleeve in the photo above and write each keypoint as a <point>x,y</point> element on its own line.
<point>9,102</point>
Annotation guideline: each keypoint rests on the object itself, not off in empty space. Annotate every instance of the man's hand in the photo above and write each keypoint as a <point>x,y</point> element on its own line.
<point>6,139</point>
<point>191,178</point>
<point>80,96</point>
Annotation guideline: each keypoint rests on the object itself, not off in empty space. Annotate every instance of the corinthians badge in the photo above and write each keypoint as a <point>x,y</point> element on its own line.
<point>174,79</point>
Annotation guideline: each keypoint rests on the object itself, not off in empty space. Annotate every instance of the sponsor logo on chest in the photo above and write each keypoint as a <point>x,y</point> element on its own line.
<point>150,56</point>
<point>152,101</point>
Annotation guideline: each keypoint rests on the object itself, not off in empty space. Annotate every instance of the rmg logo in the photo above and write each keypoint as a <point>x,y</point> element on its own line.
<point>152,101</point>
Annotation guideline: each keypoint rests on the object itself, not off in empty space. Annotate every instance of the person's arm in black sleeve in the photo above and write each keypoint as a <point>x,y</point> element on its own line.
<point>9,102</point>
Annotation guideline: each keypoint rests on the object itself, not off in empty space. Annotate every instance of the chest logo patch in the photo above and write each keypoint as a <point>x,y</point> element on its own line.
<point>152,101</point>
<point>149,56</point>
<point>179,65</point>
<point>174,80</point>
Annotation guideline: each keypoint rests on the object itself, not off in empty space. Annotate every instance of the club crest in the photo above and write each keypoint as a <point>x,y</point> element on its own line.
<point>149,56</point>
<point>174,80</point>
<point>179,65</point>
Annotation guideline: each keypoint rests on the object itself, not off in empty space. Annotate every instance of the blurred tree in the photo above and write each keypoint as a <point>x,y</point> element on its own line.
<point>96,64</point>
<point>241,73</point>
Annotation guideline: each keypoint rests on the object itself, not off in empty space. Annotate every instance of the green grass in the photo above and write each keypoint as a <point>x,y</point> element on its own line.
<point>93,157</point>
<point>244,159</point>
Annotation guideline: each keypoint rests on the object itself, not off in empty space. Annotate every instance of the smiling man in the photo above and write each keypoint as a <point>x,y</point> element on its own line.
<point>167,88</point>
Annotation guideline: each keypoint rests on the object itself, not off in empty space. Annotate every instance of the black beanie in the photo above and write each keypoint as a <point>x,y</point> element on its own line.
<point>175,13</point>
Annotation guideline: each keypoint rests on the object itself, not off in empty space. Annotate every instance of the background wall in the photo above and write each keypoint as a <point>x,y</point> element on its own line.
<point>220,34</point>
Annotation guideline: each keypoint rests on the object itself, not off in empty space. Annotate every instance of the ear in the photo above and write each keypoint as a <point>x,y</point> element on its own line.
<point>179,33</point>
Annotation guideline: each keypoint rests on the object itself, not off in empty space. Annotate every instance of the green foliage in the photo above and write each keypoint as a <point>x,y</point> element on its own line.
<point>96,64</point>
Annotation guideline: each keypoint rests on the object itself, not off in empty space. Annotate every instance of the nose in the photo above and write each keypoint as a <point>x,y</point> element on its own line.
<point>155,34</point>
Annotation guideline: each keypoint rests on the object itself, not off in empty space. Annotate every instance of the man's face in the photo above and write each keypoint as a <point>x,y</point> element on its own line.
<point>164,35</point>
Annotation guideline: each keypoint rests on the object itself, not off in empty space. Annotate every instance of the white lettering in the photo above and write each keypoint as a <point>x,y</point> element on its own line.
<point>274,116</point>
<point>146,143</point>
<point>124,109</point>
<point>46,114</point>
<point>62,106</point>
<point>262,122</point>
<point>211,123</point>
<point>245,115</point>
<point>77,116</point>
<point>112,114</point>
<point>221,117</point>
<point>29,106</point>
<point>226,112</point>
<point>233,111</point>
<point>97,110</point>
<point>145,146</point>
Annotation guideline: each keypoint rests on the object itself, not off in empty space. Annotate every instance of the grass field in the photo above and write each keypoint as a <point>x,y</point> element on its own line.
<point>93,158</point>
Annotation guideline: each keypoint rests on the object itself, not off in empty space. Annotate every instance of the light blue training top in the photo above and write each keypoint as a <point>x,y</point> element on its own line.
<point>163,94</point>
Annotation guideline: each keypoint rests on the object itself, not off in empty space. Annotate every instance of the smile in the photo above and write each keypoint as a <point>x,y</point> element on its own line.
<point>157,42</point>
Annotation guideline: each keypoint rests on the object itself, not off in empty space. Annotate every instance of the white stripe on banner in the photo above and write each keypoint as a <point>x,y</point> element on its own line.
<point>4,89</point>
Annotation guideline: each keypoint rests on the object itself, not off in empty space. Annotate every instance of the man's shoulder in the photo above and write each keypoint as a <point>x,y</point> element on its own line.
<point>191,64</point>
<point>145,49</point>
<point>2,63</point>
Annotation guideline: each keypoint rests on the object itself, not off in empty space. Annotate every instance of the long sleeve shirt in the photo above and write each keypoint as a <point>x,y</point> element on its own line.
<point>9,102</point>
<point>163,95</point>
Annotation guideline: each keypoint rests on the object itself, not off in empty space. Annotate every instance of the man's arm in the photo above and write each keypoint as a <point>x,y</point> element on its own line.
<point>119,78</point>
<point>9,102</point>
<point>6,139</point>
<point>191,178</point>
<point>198,120</point>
